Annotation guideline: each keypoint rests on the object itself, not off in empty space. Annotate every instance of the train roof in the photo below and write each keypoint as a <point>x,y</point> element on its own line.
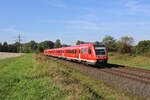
<point>86,44</point>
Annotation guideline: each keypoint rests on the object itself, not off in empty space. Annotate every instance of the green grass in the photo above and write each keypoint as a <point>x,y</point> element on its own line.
<point>16,82</point>
<point>35,77</point>
<point>133,61</point>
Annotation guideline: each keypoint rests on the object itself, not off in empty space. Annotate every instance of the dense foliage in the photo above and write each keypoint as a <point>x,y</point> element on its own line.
<point>5,47</point>
<point>14,47</point>
<point>57,44</point>
<point>80,42</point>
<point>125,44</point>
<point>143,47</point>
<point>1,46</point>
<point>110,43</point>
<point>45,45</point>
<point>30,47</point>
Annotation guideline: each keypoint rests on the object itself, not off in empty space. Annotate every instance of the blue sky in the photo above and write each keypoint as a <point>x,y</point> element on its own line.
<point>72,20</point>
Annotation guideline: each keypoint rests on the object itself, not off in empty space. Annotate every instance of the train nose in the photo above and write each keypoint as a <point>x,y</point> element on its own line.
<point>101,57</point>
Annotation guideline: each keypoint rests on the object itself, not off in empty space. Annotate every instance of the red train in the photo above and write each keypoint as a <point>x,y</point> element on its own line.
<point>89,53</point>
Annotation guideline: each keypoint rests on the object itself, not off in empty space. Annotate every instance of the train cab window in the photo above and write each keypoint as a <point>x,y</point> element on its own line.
<point>89,50</point>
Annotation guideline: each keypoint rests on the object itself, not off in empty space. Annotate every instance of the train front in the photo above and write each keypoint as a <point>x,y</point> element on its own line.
<point>101,54</point>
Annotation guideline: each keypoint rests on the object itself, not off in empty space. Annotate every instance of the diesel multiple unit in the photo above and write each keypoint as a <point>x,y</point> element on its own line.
<point>89,53</point>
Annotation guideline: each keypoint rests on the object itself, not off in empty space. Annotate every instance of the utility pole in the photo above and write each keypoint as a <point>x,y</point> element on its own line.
<point>19,39</point>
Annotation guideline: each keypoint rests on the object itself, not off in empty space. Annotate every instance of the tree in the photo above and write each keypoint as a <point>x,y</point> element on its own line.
<point>26,48</point>
<point>14,47</point>
<point>17,47</point>
<point>5,47</point>
<point>11,48</point>
<point>40,49</point>
<point>1,47</point>
<point>57,44</point>
<point>65,45</point>
<point>125,44</point>
<point>79,42</point>
<point>97,42</point>
<point>143,47</point>
<point>30,47</point>
<point>110,43</point>
<point>127,40</point>
<point>45,45</point>
<point>125,48</point>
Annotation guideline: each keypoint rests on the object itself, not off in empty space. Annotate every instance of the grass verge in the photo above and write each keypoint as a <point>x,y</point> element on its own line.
<point>127,60</point>
<point>36,77</point>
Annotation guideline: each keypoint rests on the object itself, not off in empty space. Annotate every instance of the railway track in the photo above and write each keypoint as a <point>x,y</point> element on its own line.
<point>114,70</point>
<point>132,80</point>
<point>137,69</point>
<point>129,68</point>
<point>131,76</point>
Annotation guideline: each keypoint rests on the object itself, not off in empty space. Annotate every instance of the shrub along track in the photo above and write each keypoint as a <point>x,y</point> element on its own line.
<point>131,80</point>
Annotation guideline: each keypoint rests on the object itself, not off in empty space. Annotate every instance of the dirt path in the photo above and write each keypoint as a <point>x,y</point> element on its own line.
<point>4,55</point>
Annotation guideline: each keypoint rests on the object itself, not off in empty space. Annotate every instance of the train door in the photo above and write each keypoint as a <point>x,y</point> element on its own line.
<point>63,53</point>
<point>89,53</point>
<point>79,52</point>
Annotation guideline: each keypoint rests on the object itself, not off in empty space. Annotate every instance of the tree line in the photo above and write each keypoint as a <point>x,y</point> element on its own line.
<point>123,45</point>
<point>30,47</point>
<point>126,45</point>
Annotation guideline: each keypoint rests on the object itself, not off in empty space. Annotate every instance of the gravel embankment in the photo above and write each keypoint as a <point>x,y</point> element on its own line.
<point>4,55</point>
<point>133,87</point>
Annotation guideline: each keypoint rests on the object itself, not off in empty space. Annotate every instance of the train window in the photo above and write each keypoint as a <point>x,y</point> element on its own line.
<point>85,51</point>
<point>82,51</point>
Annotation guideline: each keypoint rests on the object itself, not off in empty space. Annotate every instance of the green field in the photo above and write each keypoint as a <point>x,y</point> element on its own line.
<point>128,60</point>
<point>35,77</point>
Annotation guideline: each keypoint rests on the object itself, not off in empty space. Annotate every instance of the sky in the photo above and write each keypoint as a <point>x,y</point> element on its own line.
<point>72,20</point>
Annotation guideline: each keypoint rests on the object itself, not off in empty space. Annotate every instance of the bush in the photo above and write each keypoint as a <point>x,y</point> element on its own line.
<point>143,47</point>
<point>125,49</point>
<point>110,43</point>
